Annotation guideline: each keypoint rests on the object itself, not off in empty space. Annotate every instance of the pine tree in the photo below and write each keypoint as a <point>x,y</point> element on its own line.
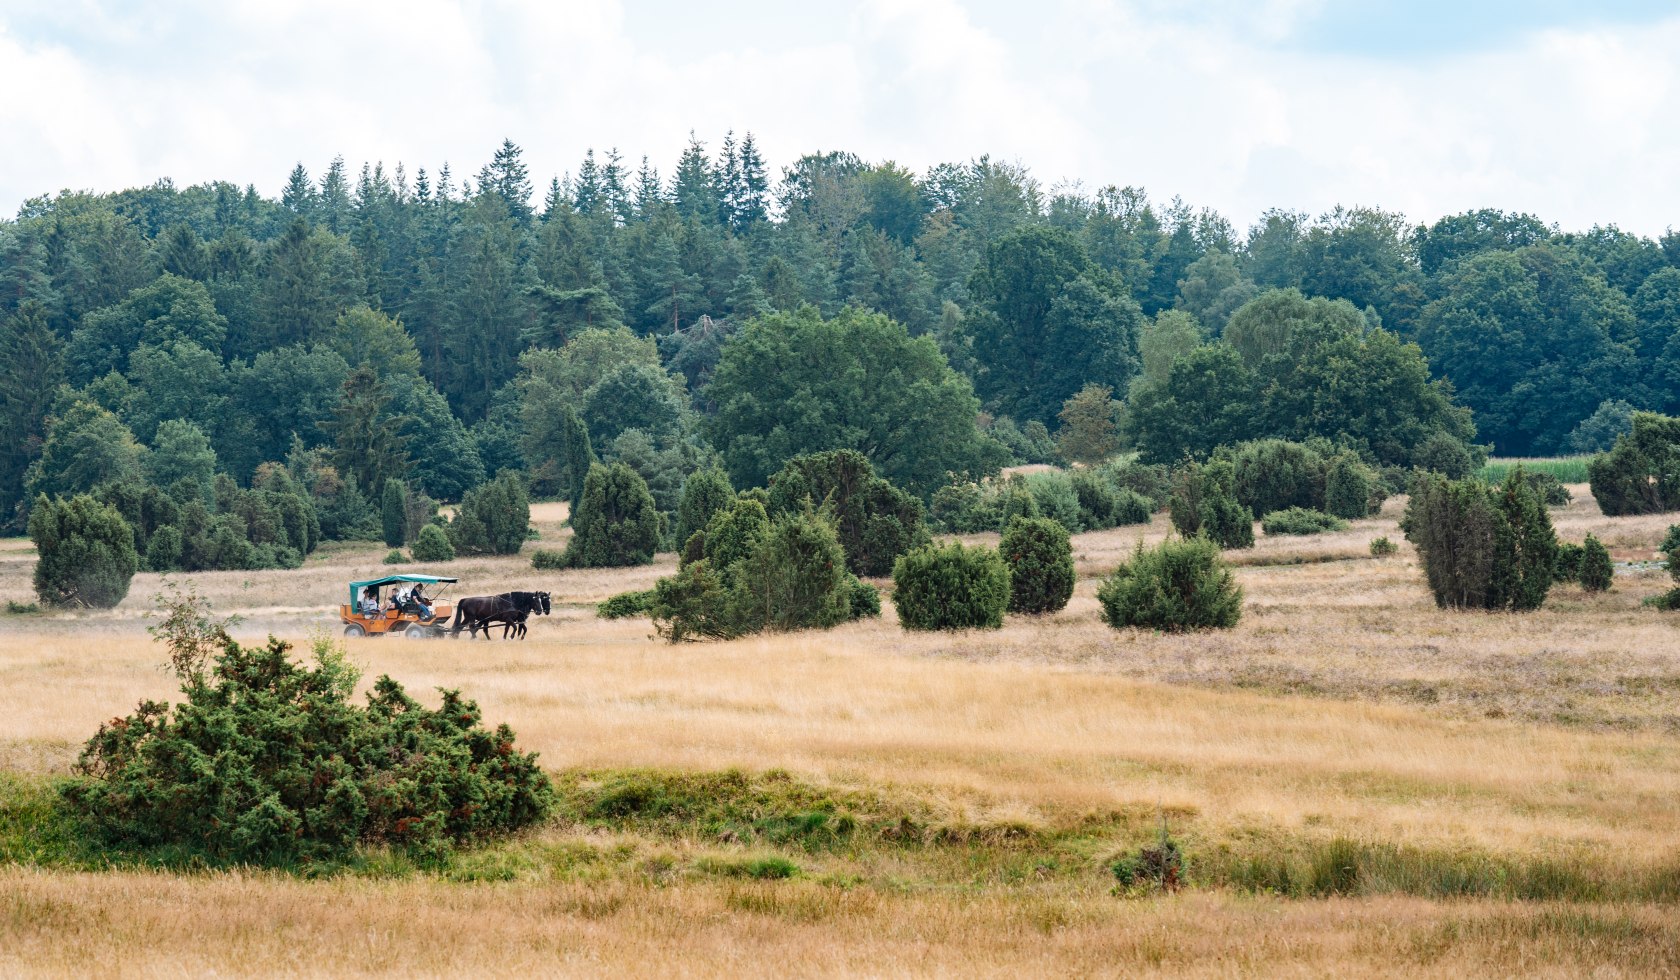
<point>586,189</point>
<point>506,177</point>
<point>749,207</point>
<point>692,188</point>
<point>299,195</point>
<point>580,455</point>
<point>335,198</point>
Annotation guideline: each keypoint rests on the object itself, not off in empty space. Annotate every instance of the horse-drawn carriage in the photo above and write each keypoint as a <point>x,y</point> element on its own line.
<point>371,613</point>
<point>374,611</point>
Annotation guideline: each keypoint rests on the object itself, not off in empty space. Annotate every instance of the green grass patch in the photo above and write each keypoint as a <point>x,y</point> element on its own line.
<point>1569,469</point>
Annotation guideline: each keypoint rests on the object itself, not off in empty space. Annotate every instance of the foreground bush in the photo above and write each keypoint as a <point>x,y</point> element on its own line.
<point>1482,547</point>
<point>1040,559</point>
<point>616,523</point>
<point>86,553</point>
<point>1300,520</point>
<point>1179,585</point>
<point>268,761</point>
<point>626,604</point>
<point>1348,486</point>
<point>1641,473</point>
<point>951,588</point>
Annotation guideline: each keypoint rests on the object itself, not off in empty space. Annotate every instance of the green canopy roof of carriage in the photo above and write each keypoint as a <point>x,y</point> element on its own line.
<point>357,587</point>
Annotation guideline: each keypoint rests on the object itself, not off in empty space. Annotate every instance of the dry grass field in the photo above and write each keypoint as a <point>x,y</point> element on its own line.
<point>1508,786</point>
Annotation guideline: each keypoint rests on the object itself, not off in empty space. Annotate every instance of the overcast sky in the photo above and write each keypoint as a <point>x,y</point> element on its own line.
<point>1429,107</point>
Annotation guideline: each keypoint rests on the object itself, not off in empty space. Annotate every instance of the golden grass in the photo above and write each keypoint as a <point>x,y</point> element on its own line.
<point>1551,733</point>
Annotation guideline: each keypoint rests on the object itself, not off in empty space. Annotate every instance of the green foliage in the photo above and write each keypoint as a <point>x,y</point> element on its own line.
<point>1348,486</point>
<point>734,532</point>
<point>393,513</point>
<point>547,559</point>
<point>863,599</point>
<point>1029,444</point>
<point>1482,547</point>
<point>1599,431</point>
<point>1382,547</point>
<point>876,521</point>
<point>182,460</point>
<point>1040,560</point>
<point>950,587</point>
<point>302,774</point>
<point>693,604</point>
<point>1275,474</point>
<point>627,604</point>
<point>1567,568</point>
<point>432,545</point>
<point>1301,520</point>
<point>1596,570</point>
<point>704,493</point>
<point>1566,469</point>
<point>1641,473</point>
<point>1204,502</point>
<point>86,447</point>
<point>794,383</point>
<point>1055,497</point>
<point>1090,430</point>
<point>1179,585</point>
<point>395,557</point>
<point>793,578</point>
<point>1153,482</point>
<point>492,518</point>
<point>616,523</point>
<point>86,552</point>
<point>1441,453</point>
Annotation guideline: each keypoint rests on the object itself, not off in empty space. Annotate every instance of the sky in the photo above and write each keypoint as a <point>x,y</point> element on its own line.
<point>1565,110</point>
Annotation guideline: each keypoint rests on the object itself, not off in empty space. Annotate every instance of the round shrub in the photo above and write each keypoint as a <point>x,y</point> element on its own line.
<point>865,599</point>
<point>1567,567</point>
<point>433,545</point>
<point>1179,585</point>
<point>1131,507</point>
<point>1275,474</point>
<point>794,578</point>
<point>394,557</point>
<point>625,604</point>
<point>1382,547</point>
<point>1443,454</point>
<point>86,552</point>
<point>1300,520</point>
<point>1056,498</point>
<point>951,588</point>
<point>1040,560</point>
<point>704,493</point>
<point>1098,501</point>
<point>1596,570</point>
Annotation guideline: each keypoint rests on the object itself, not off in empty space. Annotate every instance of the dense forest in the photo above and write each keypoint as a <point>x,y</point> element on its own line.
<point>383,324</point>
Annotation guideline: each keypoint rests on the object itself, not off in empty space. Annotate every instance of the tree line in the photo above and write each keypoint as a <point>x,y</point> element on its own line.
<point>438,330</point>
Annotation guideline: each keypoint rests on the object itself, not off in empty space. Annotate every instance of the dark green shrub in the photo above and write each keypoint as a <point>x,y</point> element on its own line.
<point>1348,486</point>
<point>1300,520</point>
<point>393,513</point>
<point>864,599</point>
<point>1567,568</point>
<point>394,557</point>
<point>793,578</point>
<point>1641,473</point>
<point>1013,500</point>
<point>1131,507</point>
<point>951,587</point>
<point>548,559</point>
<point>1382,547</point>
<point>1099,502</point>
<point>1275,474</point>
<point>492,518</point>
<point>693,605</point>
<point>579,456</point>
<point>616,523</point>
<point>1204,503</point>
<point>300,772</point>
<point>1596,570</point>
<point>432,545</point>
<point>1040,560</point>
<point>876,521</point>
<point>704,493</point>
<point>1482,547</point>
<point>163,551</point>
<point>1443,454</point>
<point>1181,584</point>
<point>626,604</point>
<point>733,532</point>
<point>957,508</point>
<point>86,552</point>
<point>1670,549</point>
<point>1551,489</point>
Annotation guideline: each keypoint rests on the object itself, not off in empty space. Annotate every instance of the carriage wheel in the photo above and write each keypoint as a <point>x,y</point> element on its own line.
<point>417,632</point>
<point>354,629</point>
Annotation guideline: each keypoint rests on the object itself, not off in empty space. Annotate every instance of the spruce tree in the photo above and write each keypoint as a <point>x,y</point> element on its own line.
<point>580,456</point>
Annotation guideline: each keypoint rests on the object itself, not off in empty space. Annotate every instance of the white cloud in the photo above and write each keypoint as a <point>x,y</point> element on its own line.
<point>1571,125</point>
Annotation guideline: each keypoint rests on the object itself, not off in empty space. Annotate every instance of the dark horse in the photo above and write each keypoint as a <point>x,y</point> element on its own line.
<point>478,612</point>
